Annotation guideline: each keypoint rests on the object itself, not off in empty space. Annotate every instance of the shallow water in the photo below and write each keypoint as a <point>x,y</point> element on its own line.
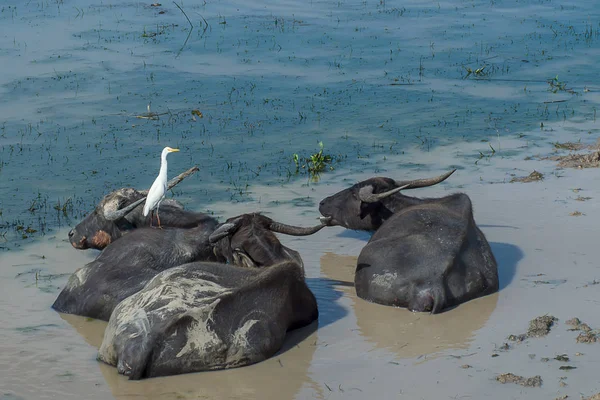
<point>386,87</point>
<point>368,78</point>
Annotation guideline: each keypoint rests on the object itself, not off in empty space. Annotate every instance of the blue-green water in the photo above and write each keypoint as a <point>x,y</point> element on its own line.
<point>271,79</point>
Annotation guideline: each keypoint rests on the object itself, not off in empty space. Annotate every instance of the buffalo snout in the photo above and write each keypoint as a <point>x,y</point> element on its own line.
<point>78,240</point>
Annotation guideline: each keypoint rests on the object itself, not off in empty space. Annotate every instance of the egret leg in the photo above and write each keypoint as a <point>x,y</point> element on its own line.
<point>157,217</point>
<point>151,217</point>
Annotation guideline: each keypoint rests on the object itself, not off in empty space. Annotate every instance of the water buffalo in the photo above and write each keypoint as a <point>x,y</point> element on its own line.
<point>121,211</point>
<point>367,204</point>
<point>253,234</point>
<point>125,266</point>
<point>204,316</point>
<point>425,255</point>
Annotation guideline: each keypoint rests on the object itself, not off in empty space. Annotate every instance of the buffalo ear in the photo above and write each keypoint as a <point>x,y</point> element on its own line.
<point>365,193</point>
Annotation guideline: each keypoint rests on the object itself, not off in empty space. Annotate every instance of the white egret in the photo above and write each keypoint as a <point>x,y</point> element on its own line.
<point>159,188</point>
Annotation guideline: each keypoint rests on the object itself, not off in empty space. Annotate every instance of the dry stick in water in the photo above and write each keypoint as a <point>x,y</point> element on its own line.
<point>191,29</point>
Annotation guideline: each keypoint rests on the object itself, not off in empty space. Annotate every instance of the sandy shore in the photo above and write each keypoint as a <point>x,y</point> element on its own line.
<point>543,234</point>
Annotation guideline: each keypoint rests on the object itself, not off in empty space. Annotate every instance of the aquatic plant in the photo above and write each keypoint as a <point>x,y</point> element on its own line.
<point>315,164</point>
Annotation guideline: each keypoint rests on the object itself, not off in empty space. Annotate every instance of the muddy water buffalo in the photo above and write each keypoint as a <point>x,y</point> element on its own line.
<point>124,267</point>
<point>426,254</point>
<point>204,316</point>
<point>121,211</point>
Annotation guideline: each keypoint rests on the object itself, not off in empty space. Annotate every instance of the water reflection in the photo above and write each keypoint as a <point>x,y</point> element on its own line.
<point>280,377</point>
<point>405,333</point>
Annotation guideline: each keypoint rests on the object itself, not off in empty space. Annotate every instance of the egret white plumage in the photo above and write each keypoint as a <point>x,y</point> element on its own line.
<point>159,188</point>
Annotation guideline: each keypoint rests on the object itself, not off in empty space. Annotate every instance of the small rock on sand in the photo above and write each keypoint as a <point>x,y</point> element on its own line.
<point>535,381</point>
<point>517,338</point>
<point>578,325</point>
<point>587,335</point>
<point>540,326</point>
<point>532,177</point>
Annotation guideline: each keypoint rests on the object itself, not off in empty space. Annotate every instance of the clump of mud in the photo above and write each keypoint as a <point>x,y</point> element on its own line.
<point>593,397</point>
<point>562,357</point>
<point>540,326</point>
<point>532,177</point>
<point>588,335</point>
<point>580,161</point>
<point>517,338</point>
<point>578,325</point>
<point>535,381</point>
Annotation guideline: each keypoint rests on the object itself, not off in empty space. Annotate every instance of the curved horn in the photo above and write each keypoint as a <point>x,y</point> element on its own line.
<point>295,230</point>
<point>171,184</point>
<point>120,213</point>
<point>366,194</point>
<point>226,229</point>
<point>419,183</point>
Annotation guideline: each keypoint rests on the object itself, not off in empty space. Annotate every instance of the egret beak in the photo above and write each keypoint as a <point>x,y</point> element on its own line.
<point>170,150</point>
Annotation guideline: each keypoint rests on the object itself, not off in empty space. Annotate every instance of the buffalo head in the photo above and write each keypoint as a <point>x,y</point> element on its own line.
<point>367,204</point>
<point>248,240</point>
<point>119,212</point>
<point>116,213</point>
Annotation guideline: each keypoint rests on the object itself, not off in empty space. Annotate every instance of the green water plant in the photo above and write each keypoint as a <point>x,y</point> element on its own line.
<point>555,86</point>
<point>315,164</point>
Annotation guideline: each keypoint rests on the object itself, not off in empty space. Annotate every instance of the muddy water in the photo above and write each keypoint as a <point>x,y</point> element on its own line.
<point>396,89</point>
<point>358,349</point>
<point>51,355</point>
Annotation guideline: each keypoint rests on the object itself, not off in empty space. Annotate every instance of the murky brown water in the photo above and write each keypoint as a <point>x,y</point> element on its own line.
<point>47,354</point>
<point>402,332</point>
<point>358,349</point>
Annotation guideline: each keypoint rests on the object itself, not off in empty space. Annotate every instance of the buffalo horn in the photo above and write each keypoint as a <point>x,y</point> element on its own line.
<point>366,194</point>
<point>294,230</point>
<point>120,213</point>
<point>226,229</point>
<point>419,183</point>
